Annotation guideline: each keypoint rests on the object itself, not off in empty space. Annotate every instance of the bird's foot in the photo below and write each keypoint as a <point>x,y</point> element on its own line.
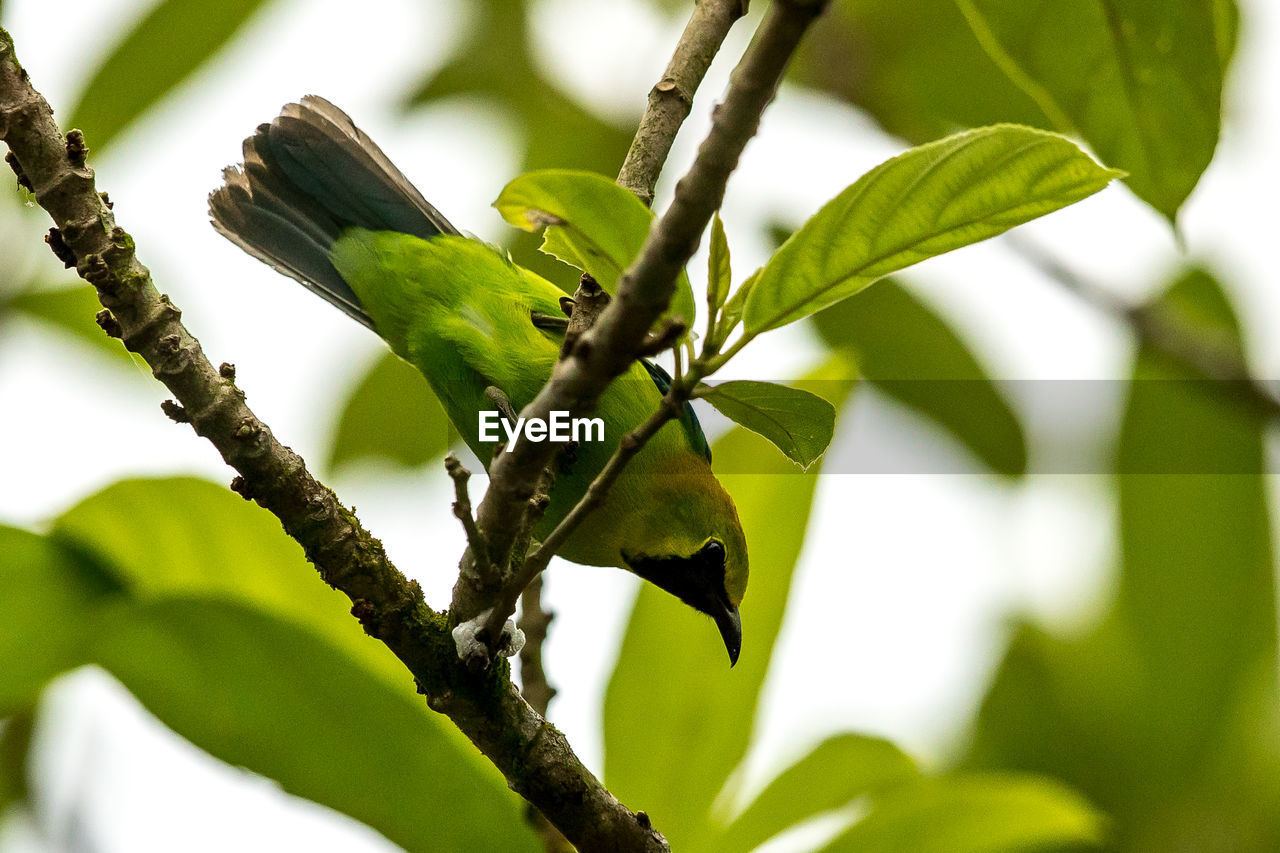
<point>472,647</point>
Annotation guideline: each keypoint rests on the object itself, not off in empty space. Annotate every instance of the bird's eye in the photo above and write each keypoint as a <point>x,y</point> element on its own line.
<point>714,551</point>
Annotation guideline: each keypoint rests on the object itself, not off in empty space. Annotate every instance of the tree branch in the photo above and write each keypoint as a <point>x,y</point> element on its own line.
<point>671,98</point>
<point>606,350</point>
<point>534,757</point>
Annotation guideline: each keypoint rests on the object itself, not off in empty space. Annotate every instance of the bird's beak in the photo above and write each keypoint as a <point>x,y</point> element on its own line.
<point>730,625</point>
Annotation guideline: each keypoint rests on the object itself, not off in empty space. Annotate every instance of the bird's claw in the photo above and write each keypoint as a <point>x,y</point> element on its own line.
<point>472,648</point>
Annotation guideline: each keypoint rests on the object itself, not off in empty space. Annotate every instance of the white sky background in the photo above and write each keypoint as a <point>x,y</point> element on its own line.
<point>907,582</point>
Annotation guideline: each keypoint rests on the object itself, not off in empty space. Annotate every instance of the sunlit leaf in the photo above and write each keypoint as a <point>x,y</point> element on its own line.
<point>719,268</point>
<point>913,65</point>
<point>591,223</point>
<point>391,414</point>
<point>975,814</point>
<point>912,354</point>
<point>1140,79</point>
<point>838,771</point>
<point>924,202</point>
<point>677,720</point>
<point>50,597</point>
<point>163,49</point>
<point>799,423</point>
<point>187,536</point>
<point>265,694</point>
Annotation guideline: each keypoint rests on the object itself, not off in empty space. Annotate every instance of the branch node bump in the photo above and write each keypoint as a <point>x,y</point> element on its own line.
<point>174,411</point>
<point>242,488</point>
<point>60,248</point>
<point>77,151</point>
<point>249,428</point>
<point>109,323</point>
<point>227,371</point>
<point>23,180</point>
<point>365,612</point>
<point>106,200</point>
<point>673,328</point>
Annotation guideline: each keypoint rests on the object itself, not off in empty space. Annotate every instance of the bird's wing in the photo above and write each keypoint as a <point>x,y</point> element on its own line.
<point>688,419</point>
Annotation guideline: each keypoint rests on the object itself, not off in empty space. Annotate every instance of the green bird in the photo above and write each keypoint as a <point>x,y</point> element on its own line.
<point>317,200</point>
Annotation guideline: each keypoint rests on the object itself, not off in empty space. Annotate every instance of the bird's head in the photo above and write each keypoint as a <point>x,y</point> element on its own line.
<point>689,542</point>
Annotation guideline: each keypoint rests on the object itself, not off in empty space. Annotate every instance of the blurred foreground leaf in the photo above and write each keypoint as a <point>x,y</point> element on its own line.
<point>591,223</point>
<point>910,353</point>
<point>164,49</point>
<point>391,414</point>
<point>210,615</point>
<point>974,814</point>
<point>922,203</point>
<point>1164,714</point>
<point>677,719</point>
<point>798,423</point>
<point>267,695</point>
<point>184,536</point>
<point>50,597</point>
<point>836,773</point>
<point>1140,79</point>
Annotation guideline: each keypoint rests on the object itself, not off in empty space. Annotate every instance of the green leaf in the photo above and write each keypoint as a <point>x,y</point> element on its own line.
<point>912,354</point>
<point>1140,79</point>
<point>50,596</point>
<point>974,814</point>
<point>719,269</point>
<point>15,745</point>
<point>174,40</point>
<point>393,415</point>
<point>265,694</point>
<point>919,70</point>
<point>838,771</point>
<point>677,720</point>
<point>70,309</point>
<point>185,536</point>
<point>1162,714</point>
<point>924,202</point>
<point>1198,585</point>
<point>591,223</point>
<point>799,423</point>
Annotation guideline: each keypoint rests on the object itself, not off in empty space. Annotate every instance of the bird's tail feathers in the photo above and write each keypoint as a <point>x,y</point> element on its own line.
<point>306,177</point>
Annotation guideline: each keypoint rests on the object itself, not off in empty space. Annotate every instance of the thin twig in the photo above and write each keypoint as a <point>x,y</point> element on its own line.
<point>645,289</point>
<point>671,98</point>
<point>462,508</point>
<point>628,447</point>
<point>534,620</point>
<point>535,758</point>
<point>1158,328</point>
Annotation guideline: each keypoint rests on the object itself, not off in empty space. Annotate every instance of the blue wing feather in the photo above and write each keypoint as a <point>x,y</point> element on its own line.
<point>688,419</point>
